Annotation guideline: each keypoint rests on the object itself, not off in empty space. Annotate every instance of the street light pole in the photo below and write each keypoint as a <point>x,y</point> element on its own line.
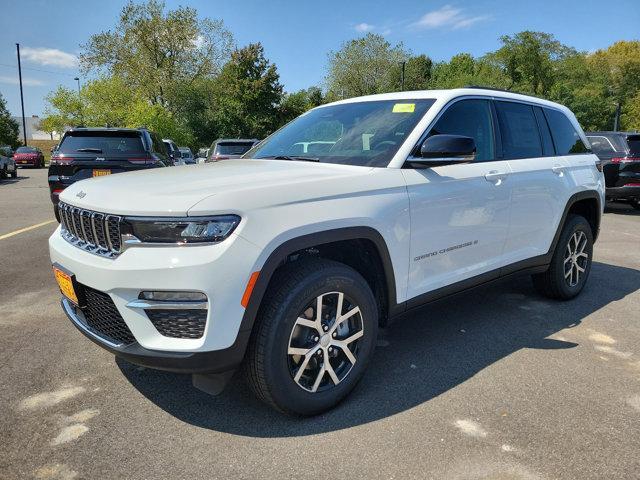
<point>24,123</point>
<point>402,81</point>
<point>77,79</point>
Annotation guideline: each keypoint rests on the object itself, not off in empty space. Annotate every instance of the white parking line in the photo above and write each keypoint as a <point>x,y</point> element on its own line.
<point>25,229</point>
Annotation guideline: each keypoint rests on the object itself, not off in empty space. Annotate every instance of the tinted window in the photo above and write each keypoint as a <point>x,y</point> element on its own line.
<point>109,143</point>
<point>602,145</point>
<point>470,118</point>
<point>565,137</point>
<point>232,148</point>
<point>634,145</point>
<point>543,127</point>
<point>519,130</point>
<point>26,150</point>
<point>365,133</point>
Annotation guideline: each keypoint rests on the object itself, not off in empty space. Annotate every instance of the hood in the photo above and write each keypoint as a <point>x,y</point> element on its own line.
<point>172,191</point>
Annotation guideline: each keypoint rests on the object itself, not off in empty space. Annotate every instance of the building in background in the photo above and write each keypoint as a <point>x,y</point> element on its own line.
<point>33,129</point>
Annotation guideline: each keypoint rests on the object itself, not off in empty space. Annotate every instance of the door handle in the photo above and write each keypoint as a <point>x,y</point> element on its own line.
<point>557,169</point>
<point>495,176</point>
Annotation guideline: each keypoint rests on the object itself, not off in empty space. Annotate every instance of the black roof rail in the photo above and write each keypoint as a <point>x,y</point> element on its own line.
<point>480,87</point>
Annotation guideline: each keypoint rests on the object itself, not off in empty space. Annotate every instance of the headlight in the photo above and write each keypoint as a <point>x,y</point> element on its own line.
<point>180,230</point>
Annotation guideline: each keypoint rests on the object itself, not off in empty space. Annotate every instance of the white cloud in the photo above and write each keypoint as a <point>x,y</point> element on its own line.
<point>29,82</point>
<point>448,16</point>
<point>364,27</point>
<point>49,56</point>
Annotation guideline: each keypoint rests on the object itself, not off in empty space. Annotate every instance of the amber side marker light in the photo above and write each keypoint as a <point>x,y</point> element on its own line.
<point>247,291</point>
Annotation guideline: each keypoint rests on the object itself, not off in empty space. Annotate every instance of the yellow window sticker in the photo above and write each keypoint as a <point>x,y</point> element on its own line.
<point>404,108</point>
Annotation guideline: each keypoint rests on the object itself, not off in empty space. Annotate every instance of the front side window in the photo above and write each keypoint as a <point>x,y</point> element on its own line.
<point>470,118</point>
<point>359,133</point>
<point>519,130</point>
<point>565,136</point>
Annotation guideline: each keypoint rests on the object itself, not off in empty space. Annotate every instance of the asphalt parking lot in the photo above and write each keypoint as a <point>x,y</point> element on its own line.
<point>498,383</point>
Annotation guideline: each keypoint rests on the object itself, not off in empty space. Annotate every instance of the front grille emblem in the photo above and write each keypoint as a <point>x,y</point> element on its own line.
<point>81,194</point>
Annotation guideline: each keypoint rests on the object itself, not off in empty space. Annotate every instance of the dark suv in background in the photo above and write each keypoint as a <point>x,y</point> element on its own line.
<point>226,148</point>
<point>619,153</point>
<point>93,152</point>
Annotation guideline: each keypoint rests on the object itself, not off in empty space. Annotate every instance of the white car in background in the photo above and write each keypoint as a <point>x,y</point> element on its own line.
<point>286,263</point>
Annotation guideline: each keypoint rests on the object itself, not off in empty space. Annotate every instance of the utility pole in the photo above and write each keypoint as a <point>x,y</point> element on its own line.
<point>616,121</point>
<point>402,78</point>
<point>77,79</point>
<point>24,123</point>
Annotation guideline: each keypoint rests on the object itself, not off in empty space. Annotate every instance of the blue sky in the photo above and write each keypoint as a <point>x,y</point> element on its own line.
<point>298,34</point>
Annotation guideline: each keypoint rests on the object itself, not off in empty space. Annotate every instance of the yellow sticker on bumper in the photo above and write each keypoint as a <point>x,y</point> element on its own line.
<point>404,108</point>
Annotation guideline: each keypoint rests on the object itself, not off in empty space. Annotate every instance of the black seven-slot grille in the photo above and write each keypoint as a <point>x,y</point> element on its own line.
<point>94,232</point>
<point>179,323</point>
<point>103,317</point>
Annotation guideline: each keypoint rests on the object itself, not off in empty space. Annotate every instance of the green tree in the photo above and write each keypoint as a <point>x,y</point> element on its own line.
<point>364,66</point>
<point>156,53</point>
<point>464,70</point>
<point>528,59</point>
<point>64,108</point>
<point>295,104</point>
<point>9,128</point>
<point>247,95</point>
<point>417,74</point>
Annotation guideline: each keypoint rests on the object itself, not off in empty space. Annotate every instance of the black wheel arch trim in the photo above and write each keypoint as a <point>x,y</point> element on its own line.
<point>283,251</point>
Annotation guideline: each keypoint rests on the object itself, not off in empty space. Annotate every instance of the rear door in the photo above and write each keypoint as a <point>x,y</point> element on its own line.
<point>538,182</point>
<point>459,213</point>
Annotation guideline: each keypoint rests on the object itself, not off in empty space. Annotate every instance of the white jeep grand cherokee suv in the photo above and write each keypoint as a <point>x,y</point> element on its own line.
<point>287,261</point>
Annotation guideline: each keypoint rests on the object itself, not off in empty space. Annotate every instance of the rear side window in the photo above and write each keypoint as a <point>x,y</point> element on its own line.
<point>602,145</point>
<point>519,130</point>
<point>565,136</point>
<point>107,143</point>
<point>634,145</point>
<point>471,118</point>
<point>233,148</point>
<point>545,133</point>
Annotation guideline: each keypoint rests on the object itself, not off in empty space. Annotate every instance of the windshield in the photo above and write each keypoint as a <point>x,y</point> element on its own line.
<point>361,133</point>
<point>232,148</point>
<point>109,143</point>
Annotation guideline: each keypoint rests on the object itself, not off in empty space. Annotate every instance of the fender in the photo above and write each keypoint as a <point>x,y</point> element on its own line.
<point>280,254</point>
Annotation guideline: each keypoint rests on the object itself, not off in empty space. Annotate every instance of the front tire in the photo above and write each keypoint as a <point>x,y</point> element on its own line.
<point>14,174</point>
<point>314,336</point>
<point>635,203</point>
<point>571,261</point>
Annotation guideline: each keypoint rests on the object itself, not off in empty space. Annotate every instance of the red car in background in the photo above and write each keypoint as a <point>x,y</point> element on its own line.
<point>29,157</point>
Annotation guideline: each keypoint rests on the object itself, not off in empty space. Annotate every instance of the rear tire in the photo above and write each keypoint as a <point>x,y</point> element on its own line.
<point>635,203</point>
<point>14,174</point>
<point>571,261</point>
<point>291,334</point>
<point>3,174</point>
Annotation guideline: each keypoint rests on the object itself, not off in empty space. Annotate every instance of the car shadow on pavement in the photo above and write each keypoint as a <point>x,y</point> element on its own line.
<point>419,357</point>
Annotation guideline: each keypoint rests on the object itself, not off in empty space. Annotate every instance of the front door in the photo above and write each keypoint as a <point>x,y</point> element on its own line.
<point>459,213</point>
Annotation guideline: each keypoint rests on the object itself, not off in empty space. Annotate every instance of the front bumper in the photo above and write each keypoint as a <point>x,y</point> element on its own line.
<point>220,271</point>
<point>216,361</point>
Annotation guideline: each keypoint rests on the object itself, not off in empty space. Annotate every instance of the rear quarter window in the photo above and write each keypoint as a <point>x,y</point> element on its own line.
<point>565,136</point>
<point>602,145</point>
<point>634,145</point>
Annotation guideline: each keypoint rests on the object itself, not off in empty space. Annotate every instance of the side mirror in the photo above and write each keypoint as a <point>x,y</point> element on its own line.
<point>446,150</point>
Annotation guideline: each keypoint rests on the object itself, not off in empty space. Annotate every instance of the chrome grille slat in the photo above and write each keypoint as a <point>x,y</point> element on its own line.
<point>94,232</point>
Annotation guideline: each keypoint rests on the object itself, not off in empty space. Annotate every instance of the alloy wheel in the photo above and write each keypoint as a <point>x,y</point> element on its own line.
<point>575,258</point>
<point>323,345</point>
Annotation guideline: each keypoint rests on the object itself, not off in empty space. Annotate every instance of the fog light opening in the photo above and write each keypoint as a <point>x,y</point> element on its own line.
<point>159,296</point>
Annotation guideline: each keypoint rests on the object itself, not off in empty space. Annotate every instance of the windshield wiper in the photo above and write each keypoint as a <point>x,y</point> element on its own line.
<point>288,157</point>
<point>89,149</point>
